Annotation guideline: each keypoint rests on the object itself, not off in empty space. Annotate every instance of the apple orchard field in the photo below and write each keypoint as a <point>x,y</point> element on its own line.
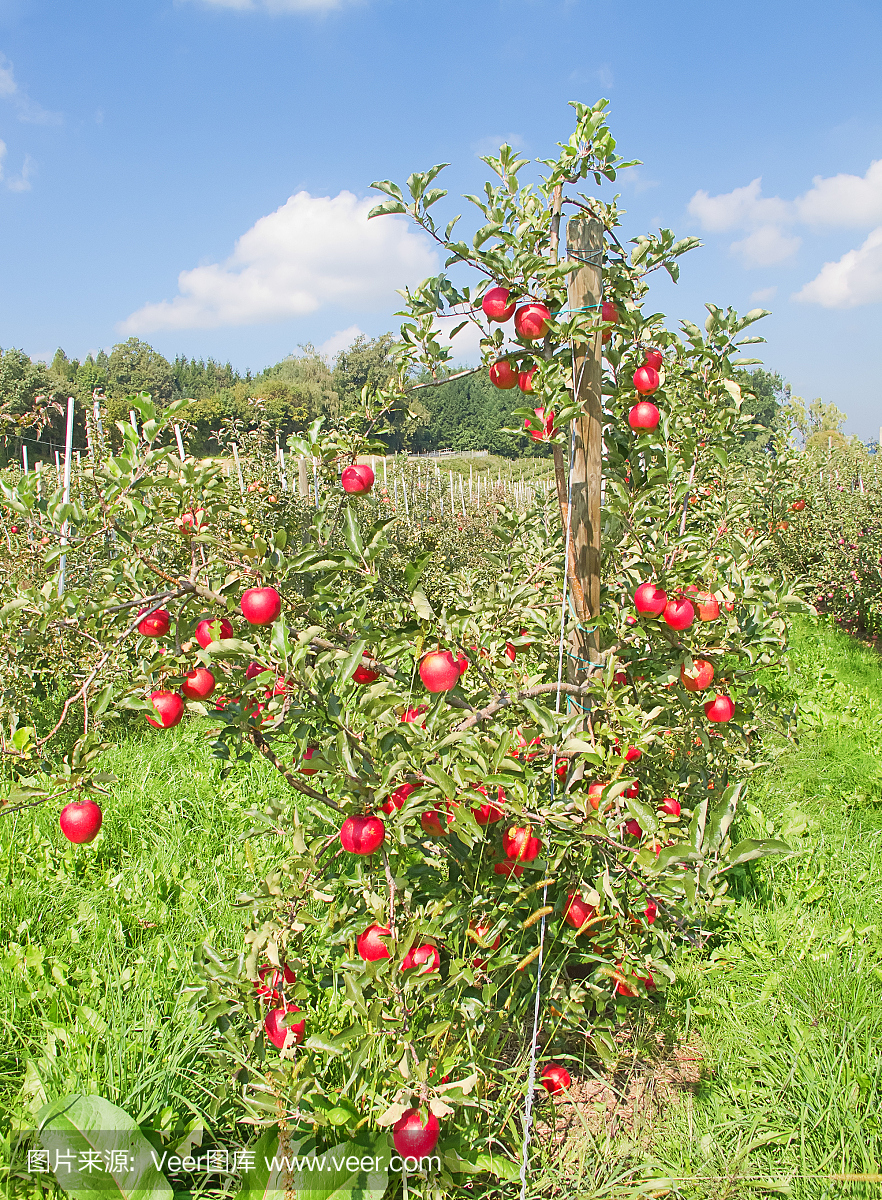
<point>359,816</point>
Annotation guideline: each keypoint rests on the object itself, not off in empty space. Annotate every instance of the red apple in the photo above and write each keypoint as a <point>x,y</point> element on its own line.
<point>439,671</point>
<point>509,868</point>
<point>254,669</point>
<point>525,380</point>
<point>700,677</point>
<point>646,380</point>
<point>311,752</point>
<point>488,813</point>
<point>156,624</point>
<point>191,522</point>
<point>421,956</point>
<point>729,606</point>
<point>547,419</point>
<point>198,684</point>
<point>679,613</point>
<point>670,806</point>
<point>511,652</point>
<point>396,799</point>
<point>271,989</point>
<point>577,912</point>
<point>609,313</point>
<point>431,820</point>
<point>261,605</point>
<point>80,821</point>
<point>707,606</point>
<point>371,946</point>
<point>364,675</point>
<point>797,506</point>
<point>530,321</point>
<point>170,706</point>
<point>411,714</point>
<point>412,1138</point>
<point>496,305</point>
<point>595,794</point>
<point>650,600</point>
<point>648,982</point>
<point>720,710</point>
<point>463,663</point>
<point>519,844</point>
<point>632,754</point>
<point>362,834</point>
<point>651,912</point>
<point>280,1034</point>
<point>358,479</point>
<point>482,930</point>
<point>654,359</point>
<point>644,415</point>
<point>555,1078</point>
<point>633,827</point>
<point>503,375</point>
<point>214,630</point>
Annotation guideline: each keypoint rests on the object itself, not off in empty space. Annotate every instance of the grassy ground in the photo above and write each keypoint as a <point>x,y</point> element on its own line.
<point>783,1008</point>
<point>786,1008</point>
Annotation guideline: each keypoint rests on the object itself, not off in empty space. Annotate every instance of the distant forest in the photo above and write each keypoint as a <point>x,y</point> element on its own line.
<point>464,414</point>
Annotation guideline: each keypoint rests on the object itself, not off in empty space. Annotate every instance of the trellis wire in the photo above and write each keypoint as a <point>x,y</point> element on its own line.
<point>531,1081</point>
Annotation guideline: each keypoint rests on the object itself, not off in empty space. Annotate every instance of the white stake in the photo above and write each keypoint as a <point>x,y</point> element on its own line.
<point>238,468</point>
<point>315,481</point>
<point>180,442</point>
<point>282,469</point>
<point>24,457</point>
<point>68,443</point>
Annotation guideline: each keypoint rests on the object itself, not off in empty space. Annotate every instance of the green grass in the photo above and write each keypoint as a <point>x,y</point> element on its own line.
<point>785,1002</point>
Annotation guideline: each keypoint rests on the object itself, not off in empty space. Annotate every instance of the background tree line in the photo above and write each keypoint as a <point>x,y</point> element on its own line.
<point>467,413</point>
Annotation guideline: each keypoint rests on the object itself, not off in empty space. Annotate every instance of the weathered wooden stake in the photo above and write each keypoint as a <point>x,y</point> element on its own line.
<point>585,243</point>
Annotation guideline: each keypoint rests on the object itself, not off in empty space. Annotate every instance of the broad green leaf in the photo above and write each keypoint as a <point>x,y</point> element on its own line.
<point>85,1131</point>
<point>749,850</point>
<point>352,530</point>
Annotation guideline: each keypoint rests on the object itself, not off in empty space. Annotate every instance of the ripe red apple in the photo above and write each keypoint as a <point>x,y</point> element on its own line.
<point>482,929</point>
<point>651,912</point>
<point>531,321</point>
<point>439,671</point>
<point>577,912</point>
<point>496,305</point>
<point>633,789</point>
<point>519,844</point>
<point>644,415</point>
<point>358,479</point>
<point>720,710</point>
<point>261,605</point>
<point>198,684</point>
<point>797,506</point>
<point>364,675</point>
<point>508,868</point>
<point>412,1138</point>
<point>632,754</point>
<point>595,794</point>
<point>555,1078</point>
<point>396,799</point>
<point>370,944</point>
<point>488,813</point>
<point>311,752</point>
<point>503,375</point>
<point>362,834</point>
<point>170,706</point>
<point>80,821</point>
<point>670,806</point>
<point>254,669</point>
<point>191,522</point>
<point>156,625</point>
<point>421,956</point>
<point>654,359</point>
<point>280,1034</point>
<point>633,827</point>
<point>511,652</point>
<point>525,380</point>
<point>609,313</point>
<point>648,982</point>
<point>271,988</point>
<point>646,380</point>
<point>650,600</point>
<point>463,663</point>
<point>729,606</point>
<point>411,714</point>
<point>214,630</point>
<point>679,613</point>
<point>707,606</point>
<point>547,419</point>
<point>700,677</point>
<point>431,820</point>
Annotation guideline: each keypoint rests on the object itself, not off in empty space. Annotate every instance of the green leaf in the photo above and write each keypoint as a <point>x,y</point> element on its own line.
<point>352,530</point>
<point>351,661</point>
<point>750,850</point>
<point>86,1128</point>
<point>262,1181</point>
<point>423,607</point>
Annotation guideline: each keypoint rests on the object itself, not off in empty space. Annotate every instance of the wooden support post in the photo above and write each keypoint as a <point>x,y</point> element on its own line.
<point>585,243</point>
<point>65,528</point>
<point>302,478</point>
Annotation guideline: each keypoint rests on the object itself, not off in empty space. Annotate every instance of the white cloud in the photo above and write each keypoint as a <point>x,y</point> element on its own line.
<point>854,280</point>
<point>28,110</point>
<point>311,252</point>
<point>340,341</point>
<point>23,182</point>
<point>738,209</point>
<point>844,200</point>
<point>765,246</point>
<point>763,295</point>
<point>490,144</point>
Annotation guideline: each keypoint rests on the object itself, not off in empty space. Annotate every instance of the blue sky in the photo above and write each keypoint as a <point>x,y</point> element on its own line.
<point>196,171</point>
